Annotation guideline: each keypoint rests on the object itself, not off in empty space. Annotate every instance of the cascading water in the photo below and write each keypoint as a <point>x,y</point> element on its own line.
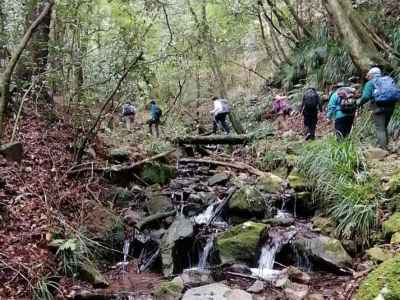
<point>206,253</point>
<point>204,217</point>
<point>125,250</point>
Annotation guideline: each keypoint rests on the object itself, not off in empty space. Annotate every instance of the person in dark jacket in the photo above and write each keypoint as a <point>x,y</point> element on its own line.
<point>310,106</point>
<point>382,113</point>
<point>155,118</point>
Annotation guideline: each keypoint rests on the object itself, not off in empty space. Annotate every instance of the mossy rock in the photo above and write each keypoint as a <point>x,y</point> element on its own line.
<point>270,183</point>
<point>393,186</point>
<point>169,290</point>
<point>247,202</point>
<point>297,181</point>
<point>378,254</point>
<point>119,154</point>
<point>121,197</point>
<point>325,225</point>
<point>154,173</point>
<point>385,276</point>
<point>91,274</point>
<point>392,225</point>
<point>240,243</point>
<point>395,238</point>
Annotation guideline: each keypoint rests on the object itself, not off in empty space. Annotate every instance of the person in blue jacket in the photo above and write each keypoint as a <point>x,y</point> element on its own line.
<point>343,121</point>
<point>155,118</point>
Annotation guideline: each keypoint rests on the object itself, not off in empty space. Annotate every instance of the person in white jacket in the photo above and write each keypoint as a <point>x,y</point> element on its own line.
<point>220,111</point>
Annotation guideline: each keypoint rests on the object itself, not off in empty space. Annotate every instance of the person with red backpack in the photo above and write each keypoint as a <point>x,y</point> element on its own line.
<point>310,106</point>
<point>382,93</point>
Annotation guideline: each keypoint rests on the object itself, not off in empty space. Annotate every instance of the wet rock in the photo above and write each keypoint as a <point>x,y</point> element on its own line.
<point>395,238</point>
<point>206,198</point>
<point>171,290</point>
<point>305,205</point>
<point>247,202</point>
<point>257,287</point>
<point>296,291</point>
<point>279,221</point>
<point>215,291</point>
<point>89,273</point>
<point>375,153</point>
<point>392,225</point>
<point>154,173</point>
<point>385,276</point>
<point>315,297</point>
<point>324,250</point>
<point>158,203</point>
<point>180,229</point>
<point>13,151</point>
<point>298,276</point>
<point>326,226</point>
<point>270,183</point>
<point>196,277</point>
<point>237,294</point>
<point>119,154</point>
<point>282,282</point>
<point>238,268</point>
<point>378,254</point>
<point>132,217</point>
<point>220,178</point>
<point>240,243</point>
<point>297,181</point>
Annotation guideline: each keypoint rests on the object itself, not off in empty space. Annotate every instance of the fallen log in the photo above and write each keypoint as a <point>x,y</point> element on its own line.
<point>121,168</point>
<point>153,218</point>
<point>214,139</point>
<point>237,165</point>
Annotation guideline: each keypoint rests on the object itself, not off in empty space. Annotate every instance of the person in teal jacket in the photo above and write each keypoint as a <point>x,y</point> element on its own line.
<point>343,121</point>
<point>382,113</point>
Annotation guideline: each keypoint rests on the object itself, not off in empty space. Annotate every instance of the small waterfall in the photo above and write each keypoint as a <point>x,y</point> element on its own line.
<point>204,217</point>
<point>206,253</point>
<point>282,215</point>
<point>125,250</point>
<point>267,258</point>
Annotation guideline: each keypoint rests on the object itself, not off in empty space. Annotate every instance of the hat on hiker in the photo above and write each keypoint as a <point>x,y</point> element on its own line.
<point>375,71</point>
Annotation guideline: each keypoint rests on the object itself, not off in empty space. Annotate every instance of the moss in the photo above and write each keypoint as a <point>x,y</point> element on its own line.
<point>240,243</point>
<point>394,184</point>
<point>395,238</point>
<point>270,183</point>
<point>247,201</point>
<point>297,181</point>
<point>386,275</point>
<point>392,225</point>
<point>158,173</point>
<point>379,254</point>
<point>169,289</point>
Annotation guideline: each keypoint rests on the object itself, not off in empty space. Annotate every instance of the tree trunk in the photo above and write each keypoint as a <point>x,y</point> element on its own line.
<point>6,76</point>
<point>361,45</point>
<point>214,140</point>
<point>298,20</point>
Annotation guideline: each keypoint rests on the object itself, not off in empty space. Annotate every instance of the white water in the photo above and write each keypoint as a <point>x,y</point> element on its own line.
<point>125,250</point>
<point>282,214</point>
<point>204,217</point>
<point>206,253</point>
<point>266,263</point>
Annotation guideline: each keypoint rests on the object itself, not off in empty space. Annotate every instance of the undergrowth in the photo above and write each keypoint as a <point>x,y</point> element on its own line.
<point>342,186</point>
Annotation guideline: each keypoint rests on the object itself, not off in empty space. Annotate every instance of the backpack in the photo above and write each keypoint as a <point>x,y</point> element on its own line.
<point>386,90</point>
<point>311,100</point>
<point>128,109</point>
<point>157,113</point>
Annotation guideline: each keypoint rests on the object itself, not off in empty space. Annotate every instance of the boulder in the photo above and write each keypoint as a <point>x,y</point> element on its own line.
<point>220,178</point>
<point>216,291</point>
<point>392,225</point>
<point>257,287</point>
<point>89,273</point>
<point>247,202</point>
<point>12,151</point>
<point>393,185</point>
<point>297,181</point>
<point>132,217</point>
<point>270,183</point>
<point>296,291</point>
<point>395,238</point>
<point>158,202</point>
<point>171,290</point>
<point>375,153</point>
<point>154,173</point>
<point>326,226</point>
<point>181,228</point>
<point>385,276</point>
<point>119,154</point>
<point>196,277</point>
<point>298,276</point>
<point>315,297</point>
<point>305,205</point>
<point>324,250</point>
<point>378,254</point>
<point>240,243</point>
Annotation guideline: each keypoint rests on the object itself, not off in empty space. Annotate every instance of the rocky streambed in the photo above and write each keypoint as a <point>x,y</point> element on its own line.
<point>212,233</point>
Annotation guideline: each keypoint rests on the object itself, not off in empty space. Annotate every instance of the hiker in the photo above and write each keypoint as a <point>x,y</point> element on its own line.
<point>155,117</point>
<point>220,111</point>
<point>282,108</point>
<point>342,108</point>
<point>128,114</point>
<point>310,106</point>
<point>382,93</point>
